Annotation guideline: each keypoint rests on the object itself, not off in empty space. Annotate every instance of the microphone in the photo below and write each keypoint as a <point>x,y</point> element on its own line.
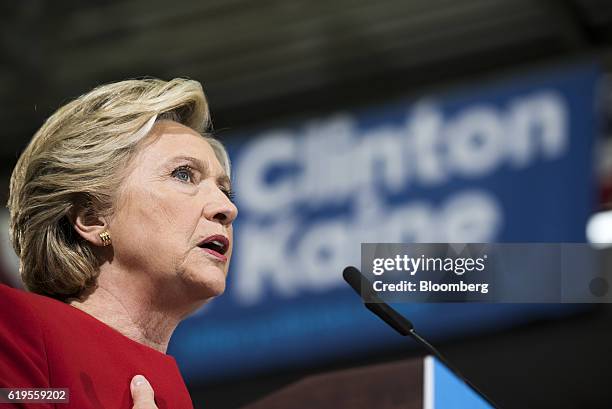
<point>363,288</point>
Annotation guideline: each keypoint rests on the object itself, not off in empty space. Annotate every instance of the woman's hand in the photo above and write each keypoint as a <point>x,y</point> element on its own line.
<point>142,393</point>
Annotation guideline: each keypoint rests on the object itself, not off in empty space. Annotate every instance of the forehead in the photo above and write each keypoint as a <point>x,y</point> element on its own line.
<point>169,139</point>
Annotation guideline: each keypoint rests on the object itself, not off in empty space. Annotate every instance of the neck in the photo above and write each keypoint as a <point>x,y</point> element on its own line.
<point>133,309</point>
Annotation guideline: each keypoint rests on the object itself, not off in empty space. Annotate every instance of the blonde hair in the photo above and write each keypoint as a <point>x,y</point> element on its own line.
<point>75,160</point>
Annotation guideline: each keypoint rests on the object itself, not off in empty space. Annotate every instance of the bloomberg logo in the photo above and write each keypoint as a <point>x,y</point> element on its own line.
<point>309,197</point>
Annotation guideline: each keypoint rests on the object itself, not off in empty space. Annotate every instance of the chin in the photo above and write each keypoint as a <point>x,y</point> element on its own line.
<point>215,289</point>
<point>207,284</point>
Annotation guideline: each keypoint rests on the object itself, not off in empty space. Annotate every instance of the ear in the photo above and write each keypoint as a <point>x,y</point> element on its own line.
<point>88,225</point>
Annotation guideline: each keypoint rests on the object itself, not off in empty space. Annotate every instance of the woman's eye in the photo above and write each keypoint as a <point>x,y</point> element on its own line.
<point>229,193</point>
<point>183,173</point>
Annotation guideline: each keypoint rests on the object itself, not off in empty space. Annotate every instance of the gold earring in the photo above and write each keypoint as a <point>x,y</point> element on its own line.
<point>105,236</point>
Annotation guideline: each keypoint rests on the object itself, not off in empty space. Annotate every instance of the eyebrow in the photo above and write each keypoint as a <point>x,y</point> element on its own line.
<point>221,179</point>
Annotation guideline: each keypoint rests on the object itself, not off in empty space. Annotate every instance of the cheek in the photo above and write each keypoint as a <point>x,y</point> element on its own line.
<point>161,211</point>
<point>153,217</point>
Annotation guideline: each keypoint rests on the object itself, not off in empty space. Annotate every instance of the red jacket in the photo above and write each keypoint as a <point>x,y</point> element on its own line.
<point>46,343</point>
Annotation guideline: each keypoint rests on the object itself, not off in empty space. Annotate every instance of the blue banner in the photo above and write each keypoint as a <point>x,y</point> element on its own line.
<point>510,162</point>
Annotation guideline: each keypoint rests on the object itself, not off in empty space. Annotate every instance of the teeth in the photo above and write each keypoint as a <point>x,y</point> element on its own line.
<point>216,245</point>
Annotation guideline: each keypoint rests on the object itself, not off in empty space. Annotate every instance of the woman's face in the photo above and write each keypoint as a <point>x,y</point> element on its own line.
<point>172,225</point>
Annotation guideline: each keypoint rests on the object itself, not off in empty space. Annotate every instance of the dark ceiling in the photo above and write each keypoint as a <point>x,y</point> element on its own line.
<point>265,60</point>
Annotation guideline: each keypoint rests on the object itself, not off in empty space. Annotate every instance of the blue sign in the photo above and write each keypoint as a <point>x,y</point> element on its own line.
<point>511,162</point>
<point>444,390</point>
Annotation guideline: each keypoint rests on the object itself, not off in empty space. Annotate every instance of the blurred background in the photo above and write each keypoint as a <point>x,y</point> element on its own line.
<point>360,121</point>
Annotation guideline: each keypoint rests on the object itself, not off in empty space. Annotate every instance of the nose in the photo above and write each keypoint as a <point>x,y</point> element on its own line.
<point>220,208</point>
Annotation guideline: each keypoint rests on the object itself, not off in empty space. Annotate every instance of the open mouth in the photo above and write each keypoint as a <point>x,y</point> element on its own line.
<point>218,244</point>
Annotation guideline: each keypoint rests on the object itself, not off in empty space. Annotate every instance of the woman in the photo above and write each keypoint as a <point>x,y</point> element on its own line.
<point>121,214</point>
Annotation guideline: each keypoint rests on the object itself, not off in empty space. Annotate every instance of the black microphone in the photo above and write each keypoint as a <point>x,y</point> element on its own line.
<point>363,287</point>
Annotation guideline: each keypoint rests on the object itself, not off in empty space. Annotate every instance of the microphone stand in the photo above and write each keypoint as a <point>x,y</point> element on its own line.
<point>400,323</point>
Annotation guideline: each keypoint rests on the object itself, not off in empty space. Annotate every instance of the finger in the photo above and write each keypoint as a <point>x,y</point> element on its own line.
<point>142,393</point>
